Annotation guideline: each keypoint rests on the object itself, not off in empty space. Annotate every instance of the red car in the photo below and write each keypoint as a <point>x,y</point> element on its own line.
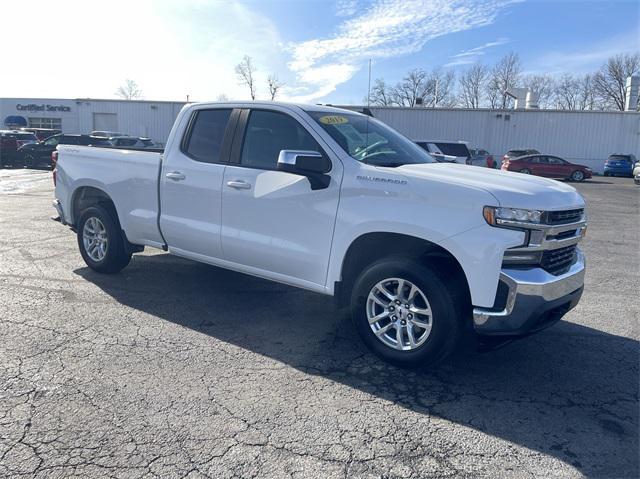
<point>549,166</point>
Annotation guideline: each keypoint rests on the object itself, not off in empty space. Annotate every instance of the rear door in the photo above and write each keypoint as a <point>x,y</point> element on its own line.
<point>273,223</point>
<point>191,182</point>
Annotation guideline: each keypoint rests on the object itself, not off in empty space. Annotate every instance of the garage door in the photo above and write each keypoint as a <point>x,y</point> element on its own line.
<point>105,121</point>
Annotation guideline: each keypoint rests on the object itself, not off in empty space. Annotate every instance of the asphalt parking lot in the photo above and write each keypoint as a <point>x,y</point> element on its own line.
<point>178,369</point>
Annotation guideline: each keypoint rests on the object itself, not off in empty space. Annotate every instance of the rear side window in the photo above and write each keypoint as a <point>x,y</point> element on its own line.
<point>70,140</point>
<point>453,149</point>
<point>267,133</point>
<point>206,135</point>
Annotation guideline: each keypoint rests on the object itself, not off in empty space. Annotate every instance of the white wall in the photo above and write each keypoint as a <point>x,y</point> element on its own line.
<point>582,137</point>
<point>138,118</point>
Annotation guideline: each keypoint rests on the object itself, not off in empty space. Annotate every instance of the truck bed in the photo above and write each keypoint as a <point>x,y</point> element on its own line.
<point>130,175</point>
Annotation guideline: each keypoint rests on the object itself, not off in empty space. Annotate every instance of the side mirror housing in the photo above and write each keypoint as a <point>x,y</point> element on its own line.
<point>311,164</point>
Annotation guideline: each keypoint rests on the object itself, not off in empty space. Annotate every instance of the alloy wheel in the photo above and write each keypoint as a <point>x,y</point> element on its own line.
<point>399,314</point>
<point>95,239</point>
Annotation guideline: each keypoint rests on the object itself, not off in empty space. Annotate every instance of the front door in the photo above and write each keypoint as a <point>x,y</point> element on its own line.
<point>272,221</point>
<point>191,182</point>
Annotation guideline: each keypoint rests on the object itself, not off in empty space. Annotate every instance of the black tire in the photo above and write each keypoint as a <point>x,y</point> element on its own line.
<point>606,173</point>
<point>447,330</point>
<point>116,256</point>
<point>29,161</point>
<point>577,175</point>
<point>525,171</point>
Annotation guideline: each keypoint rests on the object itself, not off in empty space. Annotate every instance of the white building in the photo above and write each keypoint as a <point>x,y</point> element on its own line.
<point>586,137</point>
<point>82,115</point>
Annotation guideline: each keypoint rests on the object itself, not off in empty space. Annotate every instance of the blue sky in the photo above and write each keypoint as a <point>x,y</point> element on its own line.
<point>319,49</point>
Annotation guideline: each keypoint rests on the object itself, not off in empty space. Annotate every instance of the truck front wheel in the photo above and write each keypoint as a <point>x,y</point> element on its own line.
<point>404,313</point>
<point>100,241</point>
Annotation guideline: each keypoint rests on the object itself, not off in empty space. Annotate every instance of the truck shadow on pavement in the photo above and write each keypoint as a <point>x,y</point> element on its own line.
<point>570,392</point>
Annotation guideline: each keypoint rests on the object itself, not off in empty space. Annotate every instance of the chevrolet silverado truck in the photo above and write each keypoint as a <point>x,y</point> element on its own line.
<point>424,254</point>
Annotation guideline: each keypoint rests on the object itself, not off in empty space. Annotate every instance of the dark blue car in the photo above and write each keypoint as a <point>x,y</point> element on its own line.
<point>619,165</point>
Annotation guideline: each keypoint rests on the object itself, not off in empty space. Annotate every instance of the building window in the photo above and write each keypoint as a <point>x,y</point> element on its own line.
<point>51,123</point>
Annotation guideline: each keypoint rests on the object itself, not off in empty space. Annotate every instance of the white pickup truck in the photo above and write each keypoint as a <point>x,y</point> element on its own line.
<point>425,254</point>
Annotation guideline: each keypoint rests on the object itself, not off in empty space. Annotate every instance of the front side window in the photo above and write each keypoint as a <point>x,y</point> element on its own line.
<point>207,134</point>
<point>269,132</point>
<point>52,141</point>
<point>369,140</point>
<point>555,161</point>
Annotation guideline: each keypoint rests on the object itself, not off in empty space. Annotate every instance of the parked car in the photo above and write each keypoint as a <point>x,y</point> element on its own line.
<point>549,166</point>
<point>8,147</point>
<point>518,153</point>
<point>446,151</point>
<point>480,157</point>
<point>619,165</point>
<point>107,134</point>
<point>35,154</point>
<point>337,202</point>
<point>133,142</point>
<point>10,143</point>
<point>42,133</point>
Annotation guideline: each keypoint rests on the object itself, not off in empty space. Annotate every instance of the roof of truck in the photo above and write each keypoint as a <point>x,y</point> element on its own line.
<point>257,104</point>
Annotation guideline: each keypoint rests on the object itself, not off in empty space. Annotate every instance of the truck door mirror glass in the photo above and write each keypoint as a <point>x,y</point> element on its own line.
<point>311,164</point>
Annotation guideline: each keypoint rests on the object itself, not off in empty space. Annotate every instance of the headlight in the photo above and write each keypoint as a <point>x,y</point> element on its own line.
<point>498,216</point>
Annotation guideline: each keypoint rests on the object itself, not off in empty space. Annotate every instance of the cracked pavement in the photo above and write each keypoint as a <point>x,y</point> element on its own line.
<point>178,369</point>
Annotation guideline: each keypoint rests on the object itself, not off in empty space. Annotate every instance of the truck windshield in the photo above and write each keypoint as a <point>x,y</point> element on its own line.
<point>369,140</point>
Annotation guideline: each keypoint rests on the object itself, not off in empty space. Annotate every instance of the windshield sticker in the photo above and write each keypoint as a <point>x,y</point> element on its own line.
<point>333,120</point>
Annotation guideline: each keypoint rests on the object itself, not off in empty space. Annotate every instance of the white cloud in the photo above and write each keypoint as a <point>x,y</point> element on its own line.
<point>387,29</point>
<point>78,48</point>
<point>346,8</point>
<point>472,55</point>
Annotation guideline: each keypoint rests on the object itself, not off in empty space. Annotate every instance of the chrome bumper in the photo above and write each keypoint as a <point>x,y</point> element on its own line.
<point>535,299</point>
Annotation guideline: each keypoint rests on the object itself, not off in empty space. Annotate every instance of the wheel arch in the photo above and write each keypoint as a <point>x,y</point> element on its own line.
<point>85,196</point>
<point>372,246</point>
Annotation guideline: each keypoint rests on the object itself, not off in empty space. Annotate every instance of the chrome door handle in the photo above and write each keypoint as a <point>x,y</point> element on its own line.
<point>176,176</point>
<point>239,185</point>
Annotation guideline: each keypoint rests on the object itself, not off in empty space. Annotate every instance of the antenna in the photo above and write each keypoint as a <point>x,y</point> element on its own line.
<point>369,87</point>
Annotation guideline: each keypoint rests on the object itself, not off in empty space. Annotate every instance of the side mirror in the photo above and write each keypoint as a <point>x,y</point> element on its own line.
<point>311,164</point>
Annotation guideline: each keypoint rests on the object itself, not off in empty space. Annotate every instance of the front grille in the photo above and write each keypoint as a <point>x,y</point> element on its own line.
<point>558,261</point>
<point>563,217</point>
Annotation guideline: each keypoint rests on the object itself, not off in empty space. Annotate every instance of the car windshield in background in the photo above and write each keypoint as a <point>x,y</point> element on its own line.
<point>620,158</point>
<point>453,149</point>
<point>26,136</point>
<point>370,141</point>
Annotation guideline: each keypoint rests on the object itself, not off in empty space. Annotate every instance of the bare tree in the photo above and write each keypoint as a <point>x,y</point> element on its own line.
<point>222,97</point>
<point>274,86</point>
<point>587,100</point>
<point>381,94</point>
<point>504,75</point>
<point>245,71</point>
<point>543,86</point>
<point>609,82</point>
<point>472,84</point>
<point>129,90</point>
<point>438,90</point>
<point>412,87</point>
<point>568,92</point>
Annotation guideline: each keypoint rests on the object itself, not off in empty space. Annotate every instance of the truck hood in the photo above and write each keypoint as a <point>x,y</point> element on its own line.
<point>510,189</point>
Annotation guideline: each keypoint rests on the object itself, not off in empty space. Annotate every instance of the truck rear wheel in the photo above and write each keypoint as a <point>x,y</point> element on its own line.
<point>404,313</point>
<point>100,241</point>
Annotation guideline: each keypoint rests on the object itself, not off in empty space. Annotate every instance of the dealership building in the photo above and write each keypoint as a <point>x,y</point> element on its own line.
<point>151,119</point>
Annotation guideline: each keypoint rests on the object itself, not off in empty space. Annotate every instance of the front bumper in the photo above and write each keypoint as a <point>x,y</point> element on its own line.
<point>535,299</point>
